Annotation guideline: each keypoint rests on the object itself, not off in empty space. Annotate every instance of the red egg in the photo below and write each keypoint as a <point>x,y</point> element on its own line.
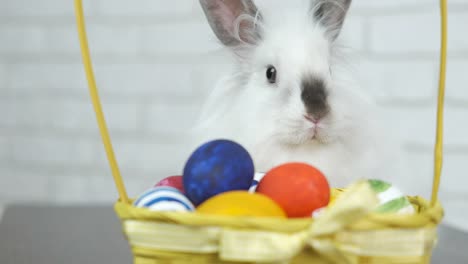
<point>298,188</point>
<point>172,181</point>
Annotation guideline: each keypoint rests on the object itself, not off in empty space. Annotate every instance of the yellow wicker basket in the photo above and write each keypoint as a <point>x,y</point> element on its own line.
<point>346,233</point>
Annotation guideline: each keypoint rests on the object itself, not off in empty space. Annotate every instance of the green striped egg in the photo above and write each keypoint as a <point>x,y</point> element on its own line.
<point>391,199</point>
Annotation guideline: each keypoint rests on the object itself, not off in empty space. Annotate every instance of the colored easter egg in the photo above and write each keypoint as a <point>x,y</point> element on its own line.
<point>257,177</point>
<point>163,198</point>
<point>172,181</point>
<point>391,199</point>
<point>253,186</point>
<point>216,167</point>
<point>241,203</point>
<point>298,188</point>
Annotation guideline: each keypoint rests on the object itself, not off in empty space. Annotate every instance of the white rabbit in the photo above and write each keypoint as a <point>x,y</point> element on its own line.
<point>286,100</point>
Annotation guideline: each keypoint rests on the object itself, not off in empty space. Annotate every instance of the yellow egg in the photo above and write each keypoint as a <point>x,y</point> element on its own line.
<point>241,203</point>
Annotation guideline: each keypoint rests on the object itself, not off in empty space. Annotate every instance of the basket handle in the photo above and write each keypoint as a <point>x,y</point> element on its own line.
<point>80,21</point>
<point>438,149</point>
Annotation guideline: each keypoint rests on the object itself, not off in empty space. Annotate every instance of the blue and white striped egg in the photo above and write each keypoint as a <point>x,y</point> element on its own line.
<point>257,177</point>
<point>163,198</point>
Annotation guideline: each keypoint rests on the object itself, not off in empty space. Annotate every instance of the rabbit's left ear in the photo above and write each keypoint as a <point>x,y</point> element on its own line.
<point>233,21</point>
<point>331,14</point>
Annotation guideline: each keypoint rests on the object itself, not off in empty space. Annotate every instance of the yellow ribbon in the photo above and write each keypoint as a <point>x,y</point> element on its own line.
<point>327,236</point>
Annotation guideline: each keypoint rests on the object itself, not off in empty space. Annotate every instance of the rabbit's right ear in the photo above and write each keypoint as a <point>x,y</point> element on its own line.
<point>233,21</point>
<point>331,14</point>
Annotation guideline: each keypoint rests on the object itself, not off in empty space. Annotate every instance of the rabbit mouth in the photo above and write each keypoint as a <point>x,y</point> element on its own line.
<point>310,134</point>
<point>305,131</point>
<point>314,135</point>
<point>318,133</point>
<point>318,129</point>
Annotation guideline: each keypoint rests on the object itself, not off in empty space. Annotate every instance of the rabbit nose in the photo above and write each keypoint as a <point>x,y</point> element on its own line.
<point>314,96</point>
<point>311,119</point>
<point>315,118</point>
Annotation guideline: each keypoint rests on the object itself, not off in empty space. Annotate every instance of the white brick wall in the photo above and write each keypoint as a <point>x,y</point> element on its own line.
<point>47,8</point>
<point>146,8</point>
<point>4,148</point>
<point>21,39</point>
<point>44,75</point>
<point>155,62</point>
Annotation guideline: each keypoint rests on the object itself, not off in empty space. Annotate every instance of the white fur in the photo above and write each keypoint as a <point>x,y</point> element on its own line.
<point>268,119</point>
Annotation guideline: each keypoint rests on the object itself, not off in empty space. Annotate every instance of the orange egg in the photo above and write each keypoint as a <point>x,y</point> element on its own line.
<point>298,188</point>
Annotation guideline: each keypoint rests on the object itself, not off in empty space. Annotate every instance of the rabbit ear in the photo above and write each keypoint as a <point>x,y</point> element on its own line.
<point>331,14</point>
<point>233,21</point>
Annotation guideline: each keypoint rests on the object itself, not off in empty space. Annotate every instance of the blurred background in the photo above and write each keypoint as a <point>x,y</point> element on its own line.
<point>155,62</point>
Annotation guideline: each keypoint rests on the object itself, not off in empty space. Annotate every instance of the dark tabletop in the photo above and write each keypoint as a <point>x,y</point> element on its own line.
<point>92,235</point>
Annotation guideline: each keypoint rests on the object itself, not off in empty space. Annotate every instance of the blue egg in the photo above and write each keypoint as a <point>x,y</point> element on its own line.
<point>216,167</point>
<point>164,198</point>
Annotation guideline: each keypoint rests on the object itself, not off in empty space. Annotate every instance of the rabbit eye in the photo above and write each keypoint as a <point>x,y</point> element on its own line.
<point>271,74</point>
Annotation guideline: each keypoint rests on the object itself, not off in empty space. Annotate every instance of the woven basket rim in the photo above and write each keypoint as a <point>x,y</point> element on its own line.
<point>425,216</point>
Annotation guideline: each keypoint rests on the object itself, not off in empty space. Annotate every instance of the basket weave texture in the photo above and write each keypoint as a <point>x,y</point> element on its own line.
<point>346,233</point>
